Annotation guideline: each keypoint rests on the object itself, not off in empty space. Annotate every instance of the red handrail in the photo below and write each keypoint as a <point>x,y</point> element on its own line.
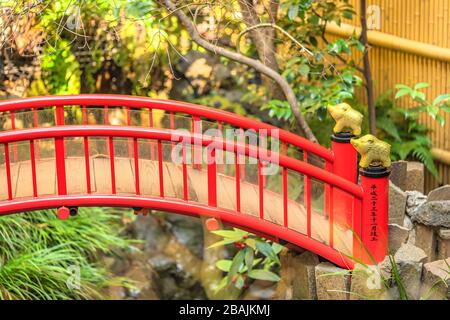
<point>168,135</point>
<point>167,105</point>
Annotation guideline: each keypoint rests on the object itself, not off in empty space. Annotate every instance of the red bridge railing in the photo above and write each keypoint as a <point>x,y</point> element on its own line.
<point>346,207</point>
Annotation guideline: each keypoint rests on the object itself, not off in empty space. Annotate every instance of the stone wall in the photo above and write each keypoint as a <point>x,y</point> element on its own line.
<point>418,264</point>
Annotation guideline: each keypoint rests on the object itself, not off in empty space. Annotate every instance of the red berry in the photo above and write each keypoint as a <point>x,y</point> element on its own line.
<point>239,245</point>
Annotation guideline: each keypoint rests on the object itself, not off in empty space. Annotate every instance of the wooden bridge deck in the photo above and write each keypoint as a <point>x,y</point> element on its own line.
<point>173,187</point>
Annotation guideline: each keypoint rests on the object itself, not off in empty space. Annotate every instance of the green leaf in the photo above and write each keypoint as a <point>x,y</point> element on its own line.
<point>293,61</point>
<point>224,265</point>
<point>314,20</point>
<point>389,127</point>
<point>402,86</point>
<point>236,265</point>
<point>347,77</point>
<point>266,249</point>
<point>293,12</point>
<point>432,110</point>
<point>222,284</point>
<point>347,14</point>
<point>440,119</point>
<point>417,95</point>
<point>304,69</point>
<point>439,99</point>
<point>276,247</point>
<point>230,234</point>
<point>251,243</point>
<point>249,257</point>
<point>400,93</point>
<point>421,85</point>
<point>260,274</point>
<point>239,282</point>
<point>222,243</point>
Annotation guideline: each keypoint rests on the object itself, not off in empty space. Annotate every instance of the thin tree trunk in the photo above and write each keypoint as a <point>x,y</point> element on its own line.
<point>367,72</point>
<point>263,38</point>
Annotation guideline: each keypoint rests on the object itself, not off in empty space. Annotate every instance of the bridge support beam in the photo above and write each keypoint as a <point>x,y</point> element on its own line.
<point>374,218</point>
<point>345,165</point>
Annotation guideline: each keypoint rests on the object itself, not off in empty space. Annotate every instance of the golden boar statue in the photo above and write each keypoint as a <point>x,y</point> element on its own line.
<point>346,118</point>
<point>373,151</point>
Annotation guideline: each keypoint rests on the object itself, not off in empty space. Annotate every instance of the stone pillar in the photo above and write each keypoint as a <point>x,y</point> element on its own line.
<point>409,260</point>
<point>443,244</point>
<point>397,204</point>
<point>332,283</point>
<point>297,276</point>
<point>398,235</point>
<point>370,282</point>
<point>415,176</point>
<point>398,174</point>
<point>436,280</point>
<point>426,240</point>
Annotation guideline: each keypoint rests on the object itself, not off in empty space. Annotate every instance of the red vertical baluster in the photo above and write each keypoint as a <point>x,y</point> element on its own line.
<point>172,126</point>
<point>136,165</point>
<point>33,168</point>
<point>130,140</point>
<point>185,175</point>
<point>212,176</point>
<point>84,112</point>
<point>285,190</point>
<point>307,195</point>
<point>60,154</point>
<point>59,115</point>
<point>238,182</point>
<point>13,127</point>
<point>328,205</point>
<point>111,160</point>
<point>261,188</point>
<point>86,152</point>
<point>331,218</point>
<point>105,115</point>
<point>242,140</point>
<point>152,144</point>
<point>263,144</point>
<point>8,171</point>
<point>327,200</point>
<point>87,164</point>
<point>196,148</point>
<point>160,168</point>
<point>36,125</point>
<point>220,155</point>
<point>106,122</point>
<point>172,120</point>
<point>128,109</point>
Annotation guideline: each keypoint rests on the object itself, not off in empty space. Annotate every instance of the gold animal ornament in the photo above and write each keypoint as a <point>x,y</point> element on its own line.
<point>346,118</point>
<point>373,151</point>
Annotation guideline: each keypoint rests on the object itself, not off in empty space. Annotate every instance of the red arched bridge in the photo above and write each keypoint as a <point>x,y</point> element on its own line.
<point>128,151</point>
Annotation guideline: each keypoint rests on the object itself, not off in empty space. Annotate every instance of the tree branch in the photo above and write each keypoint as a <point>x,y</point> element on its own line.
<point>367,72</point>
<point>255,64</point>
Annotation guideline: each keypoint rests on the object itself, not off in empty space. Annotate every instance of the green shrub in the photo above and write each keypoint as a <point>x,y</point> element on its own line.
<point>38,253</point>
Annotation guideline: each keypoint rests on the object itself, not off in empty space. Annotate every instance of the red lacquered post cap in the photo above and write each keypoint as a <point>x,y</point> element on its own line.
<point>63,213</point>
<point>212,224</point>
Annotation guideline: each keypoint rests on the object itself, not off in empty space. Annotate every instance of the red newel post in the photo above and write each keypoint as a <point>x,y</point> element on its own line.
<point>374,216</point>
<point>345,165</point>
